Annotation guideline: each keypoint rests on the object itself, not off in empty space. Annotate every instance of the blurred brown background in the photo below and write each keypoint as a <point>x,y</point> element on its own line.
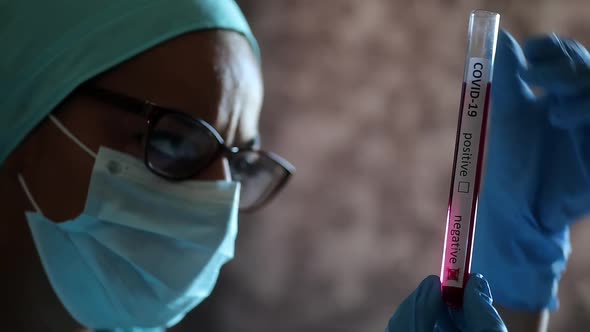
<point>362,96</point>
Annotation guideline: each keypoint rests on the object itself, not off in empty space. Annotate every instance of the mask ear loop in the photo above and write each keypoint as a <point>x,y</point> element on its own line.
<point>71,136</point>
<point>23,184</point>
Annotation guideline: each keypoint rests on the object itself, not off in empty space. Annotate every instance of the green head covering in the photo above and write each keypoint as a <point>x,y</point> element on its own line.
<point>48,48</point>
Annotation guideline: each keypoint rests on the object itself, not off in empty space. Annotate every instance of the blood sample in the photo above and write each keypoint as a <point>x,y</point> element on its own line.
<point>469,155</point>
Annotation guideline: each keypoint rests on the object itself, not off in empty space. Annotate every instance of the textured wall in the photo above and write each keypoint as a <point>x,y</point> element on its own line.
<point>362,96</point>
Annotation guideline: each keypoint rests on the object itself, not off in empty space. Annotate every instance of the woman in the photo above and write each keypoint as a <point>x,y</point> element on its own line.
<point>126,127</point>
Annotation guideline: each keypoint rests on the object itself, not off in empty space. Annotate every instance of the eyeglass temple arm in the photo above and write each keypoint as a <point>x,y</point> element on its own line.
<point>122,101</point>
<point>135,105</point>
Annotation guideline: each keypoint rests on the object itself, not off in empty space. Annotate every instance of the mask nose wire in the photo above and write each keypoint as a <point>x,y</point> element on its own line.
<point>72,137</point>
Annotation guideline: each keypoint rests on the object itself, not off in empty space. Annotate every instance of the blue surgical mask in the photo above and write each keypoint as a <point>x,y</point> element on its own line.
<point>144,252</point>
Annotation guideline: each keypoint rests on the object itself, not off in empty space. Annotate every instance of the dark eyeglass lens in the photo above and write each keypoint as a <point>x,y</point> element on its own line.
<point>258,174</point>
<point>179,146</point>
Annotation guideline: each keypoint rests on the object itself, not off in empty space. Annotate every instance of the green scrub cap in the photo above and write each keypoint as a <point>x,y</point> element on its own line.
<point>48,48</point>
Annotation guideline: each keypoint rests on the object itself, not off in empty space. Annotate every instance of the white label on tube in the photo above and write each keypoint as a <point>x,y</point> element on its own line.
<point>463,193</point>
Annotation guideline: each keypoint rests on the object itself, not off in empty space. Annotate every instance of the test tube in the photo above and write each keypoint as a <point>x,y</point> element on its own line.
<point>469,155</point>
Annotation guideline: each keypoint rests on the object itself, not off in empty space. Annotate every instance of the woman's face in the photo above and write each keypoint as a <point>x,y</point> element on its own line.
<point>211,75</point>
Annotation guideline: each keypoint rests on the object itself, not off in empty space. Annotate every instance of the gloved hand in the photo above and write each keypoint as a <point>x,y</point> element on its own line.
<point>424,310</point>
<point>537,173</point>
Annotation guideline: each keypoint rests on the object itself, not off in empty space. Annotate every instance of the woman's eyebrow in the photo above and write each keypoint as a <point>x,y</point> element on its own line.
<point>137,105</point>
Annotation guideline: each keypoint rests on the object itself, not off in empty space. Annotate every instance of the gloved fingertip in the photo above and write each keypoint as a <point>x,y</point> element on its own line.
<point>478,311</point>
<point>430,292</point>
<point>481,282</point>
<point>480,285</point>
<point>431,280</point>
<point>504,34</point>
<point>509,57</point>
<point>543,48</point>
<point>506,39</point>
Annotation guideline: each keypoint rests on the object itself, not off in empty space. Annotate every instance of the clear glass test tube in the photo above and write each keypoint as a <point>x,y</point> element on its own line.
<point>469,154</point>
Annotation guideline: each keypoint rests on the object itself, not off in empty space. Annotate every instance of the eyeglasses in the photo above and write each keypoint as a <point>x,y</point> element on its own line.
<point>178,146</point>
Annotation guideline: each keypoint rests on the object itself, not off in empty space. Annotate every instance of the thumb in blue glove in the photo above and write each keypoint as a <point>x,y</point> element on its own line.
<point>424,311</point>
<point>477,314</point>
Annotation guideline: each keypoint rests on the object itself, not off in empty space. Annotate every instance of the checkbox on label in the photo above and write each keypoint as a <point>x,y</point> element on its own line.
<point>463,187</point>
<point>453,274</point>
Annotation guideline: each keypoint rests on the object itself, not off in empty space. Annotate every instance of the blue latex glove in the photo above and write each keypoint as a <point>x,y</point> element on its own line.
<point>424,311</point>
<point>537,179</point>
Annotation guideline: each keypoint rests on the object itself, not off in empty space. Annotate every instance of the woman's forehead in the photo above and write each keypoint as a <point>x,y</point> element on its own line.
<point>212,75</point>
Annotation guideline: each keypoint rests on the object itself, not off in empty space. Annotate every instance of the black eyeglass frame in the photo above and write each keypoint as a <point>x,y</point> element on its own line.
<point>153,113</point>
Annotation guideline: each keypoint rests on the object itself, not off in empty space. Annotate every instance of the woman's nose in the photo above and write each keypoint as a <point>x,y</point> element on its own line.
<point>217,170</point>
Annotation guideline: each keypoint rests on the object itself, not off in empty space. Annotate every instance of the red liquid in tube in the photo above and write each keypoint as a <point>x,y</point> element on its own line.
<point>465,184</point>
